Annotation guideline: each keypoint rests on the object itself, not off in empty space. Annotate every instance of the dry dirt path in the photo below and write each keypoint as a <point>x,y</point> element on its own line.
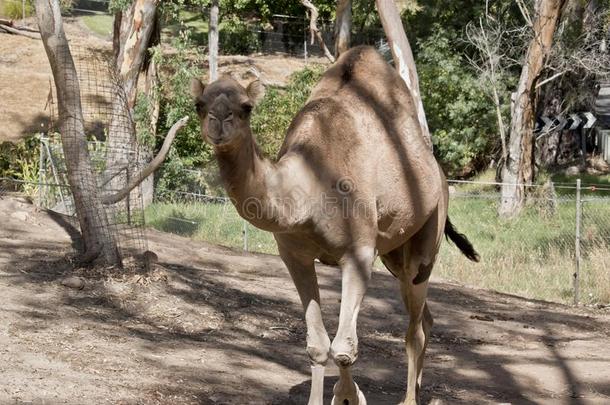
<point>214,326</point>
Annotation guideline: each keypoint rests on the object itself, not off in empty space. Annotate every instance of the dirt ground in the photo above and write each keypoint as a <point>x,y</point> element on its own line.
<point>209,325</point>
<point>25,75</point>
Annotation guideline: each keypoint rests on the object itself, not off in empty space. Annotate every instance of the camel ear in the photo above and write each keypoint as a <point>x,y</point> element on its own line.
<point>255,91</point>
<point>196,88</point>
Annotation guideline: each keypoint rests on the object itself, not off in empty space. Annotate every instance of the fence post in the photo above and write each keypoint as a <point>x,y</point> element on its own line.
<point>41,172</point>
<point>576,275</point>
<point>245,234</point>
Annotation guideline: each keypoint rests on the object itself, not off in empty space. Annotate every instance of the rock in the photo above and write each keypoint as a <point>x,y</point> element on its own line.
<point>73,282</point>
<point>572,171</point>
<point>20,215</point>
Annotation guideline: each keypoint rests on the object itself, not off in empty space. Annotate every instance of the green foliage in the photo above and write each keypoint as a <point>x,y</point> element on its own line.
<point>21,161</point>
<point>14,10</point>
<point>237,37</point>
<point>67,5</point>
<point>188,149</point>
<point>114,6</point>
<point>460,115</point>
<point>273,115</point>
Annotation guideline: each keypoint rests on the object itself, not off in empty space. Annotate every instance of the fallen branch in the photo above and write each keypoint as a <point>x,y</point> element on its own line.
<point>16,31</point>
<point>313,29</point>
<point>152,166</point>
<point>6,22</point>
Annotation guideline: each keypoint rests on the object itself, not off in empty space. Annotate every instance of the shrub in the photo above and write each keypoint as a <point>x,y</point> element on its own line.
<point>275,112</point>
<point>14,10</point>
<point>459,112</point>
<point>237,37</point>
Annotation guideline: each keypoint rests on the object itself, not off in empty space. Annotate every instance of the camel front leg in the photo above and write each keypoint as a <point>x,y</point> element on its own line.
<point>302,271</point>
<point>356,270</point>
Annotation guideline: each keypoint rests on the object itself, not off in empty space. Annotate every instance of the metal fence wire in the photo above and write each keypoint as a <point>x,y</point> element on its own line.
<point>536,254</point>
<point>114,151</point>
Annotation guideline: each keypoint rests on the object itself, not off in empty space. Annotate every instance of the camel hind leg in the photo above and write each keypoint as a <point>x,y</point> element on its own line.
<point>412,263</point>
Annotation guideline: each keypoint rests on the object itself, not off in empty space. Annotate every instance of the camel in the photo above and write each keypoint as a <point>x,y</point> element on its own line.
<point>353,180</point>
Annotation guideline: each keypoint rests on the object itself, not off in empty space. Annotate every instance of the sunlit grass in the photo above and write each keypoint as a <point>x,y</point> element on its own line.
<point>101,24</point>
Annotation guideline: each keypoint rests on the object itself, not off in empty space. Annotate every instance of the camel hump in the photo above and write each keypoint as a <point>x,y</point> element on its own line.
<point>360,67</point>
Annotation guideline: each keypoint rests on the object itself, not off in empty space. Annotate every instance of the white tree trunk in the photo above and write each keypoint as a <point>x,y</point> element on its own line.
<point>343,26</point>
<point>213,41</point>
<point>518,169</point>
<point>403,59</point>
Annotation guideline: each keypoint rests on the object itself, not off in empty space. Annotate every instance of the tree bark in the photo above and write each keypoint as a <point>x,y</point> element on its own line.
<point>314,31</point>
<point>213,41</point>
<point>136,30</point>
<point>97,236</point>
<point>343,26</point>
<point>518,171</point>
<point>403,59</point>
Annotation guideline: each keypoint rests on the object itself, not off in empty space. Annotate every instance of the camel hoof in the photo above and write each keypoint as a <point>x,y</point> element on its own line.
<point>349,399</point>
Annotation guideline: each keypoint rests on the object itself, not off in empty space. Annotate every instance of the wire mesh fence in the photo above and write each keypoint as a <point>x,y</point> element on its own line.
<point>96,154</point>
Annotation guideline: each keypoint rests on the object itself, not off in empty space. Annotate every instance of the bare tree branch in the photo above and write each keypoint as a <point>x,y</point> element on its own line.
<point>313,29</point>
<point>150,168</point>
<point>16,31</point>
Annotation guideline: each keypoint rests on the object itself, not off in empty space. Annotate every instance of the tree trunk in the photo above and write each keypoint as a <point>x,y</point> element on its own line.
<point>343,26</point>
<point>98,239</point>
<point>136,30</point>
<point>403,59</point>
<point>213,40</point>
<point>518,169</point>
<point>138,26</point>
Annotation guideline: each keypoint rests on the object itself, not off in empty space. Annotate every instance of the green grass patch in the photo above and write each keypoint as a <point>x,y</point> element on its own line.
<point>212,222</point>
<point>101,24</point>
<point>13,9</point>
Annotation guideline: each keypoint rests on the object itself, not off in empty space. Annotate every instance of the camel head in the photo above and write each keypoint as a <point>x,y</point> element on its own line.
<point>224,108</point>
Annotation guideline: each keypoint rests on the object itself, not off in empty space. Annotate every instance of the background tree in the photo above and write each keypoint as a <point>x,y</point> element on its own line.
<point>343,26</point>
<point>518,169</point>
<point>403,58</point>
<point>213,40</point>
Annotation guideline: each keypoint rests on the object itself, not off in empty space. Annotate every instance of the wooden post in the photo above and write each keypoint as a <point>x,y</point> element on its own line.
<point>576,280</point>
<point>245,234</point>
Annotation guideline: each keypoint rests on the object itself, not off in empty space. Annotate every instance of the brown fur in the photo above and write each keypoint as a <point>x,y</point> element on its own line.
<point>354,178</point>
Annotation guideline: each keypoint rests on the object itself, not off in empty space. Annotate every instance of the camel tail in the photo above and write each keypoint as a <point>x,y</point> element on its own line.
<point>461,241</point>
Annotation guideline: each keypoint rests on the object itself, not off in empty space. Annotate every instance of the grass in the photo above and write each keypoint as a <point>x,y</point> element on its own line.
<point>532,256</point>
<point>12,9</point>
<point>101,24</point>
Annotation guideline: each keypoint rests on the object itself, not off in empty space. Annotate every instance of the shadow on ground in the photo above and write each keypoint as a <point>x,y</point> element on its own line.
<point>213,326</point>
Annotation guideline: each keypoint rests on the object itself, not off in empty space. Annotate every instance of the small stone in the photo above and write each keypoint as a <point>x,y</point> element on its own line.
<point>73,282</point>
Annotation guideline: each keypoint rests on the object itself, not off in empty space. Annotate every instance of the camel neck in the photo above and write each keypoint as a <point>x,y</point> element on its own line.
<point>243,172</point>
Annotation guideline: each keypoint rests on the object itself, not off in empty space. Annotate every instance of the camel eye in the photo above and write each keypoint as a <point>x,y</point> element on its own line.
<point>229,117</point>
<point>247,107</point>
<point>212,117</point>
